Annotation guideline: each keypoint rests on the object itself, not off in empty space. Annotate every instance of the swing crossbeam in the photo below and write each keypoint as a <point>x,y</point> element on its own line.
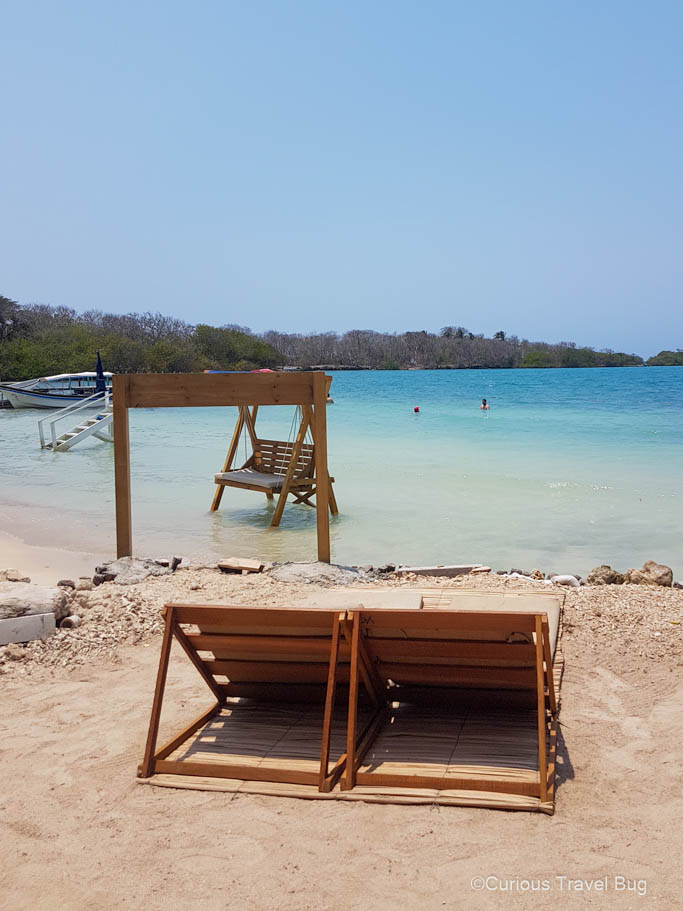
<point>275,466</point>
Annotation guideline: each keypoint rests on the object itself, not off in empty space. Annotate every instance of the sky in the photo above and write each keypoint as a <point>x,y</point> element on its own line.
<point>309,166</point>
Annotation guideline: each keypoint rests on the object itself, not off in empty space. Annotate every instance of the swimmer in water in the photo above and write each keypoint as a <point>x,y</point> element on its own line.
<point>484,405</point>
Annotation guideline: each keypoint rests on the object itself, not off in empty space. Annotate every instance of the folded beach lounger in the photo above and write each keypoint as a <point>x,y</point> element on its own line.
<point>468,704</point>
<point>274,673</point>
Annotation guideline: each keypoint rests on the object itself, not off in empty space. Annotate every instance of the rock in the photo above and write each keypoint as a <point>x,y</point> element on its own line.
<point>66,583</point>
<point>635,577</point>
<point>101,578</point>
<point>604,575</point>
<point>678,585</point>
<point>19,600</point>
<point>84,584</point>
<point>81,602</point>
<point>15,652</point>
<point>386,568</point>
<point>175,563</point>
<point>565,580</point>
<point>102,569</point>
<point>131,570</point>
<point>367,568</point>
<point>480,570</point>
<point>13,575</point>
<point>322,573</point>
<point>536,574</point>
<point>651,573</point>
<point>520,572</point>
<point>163,562</point>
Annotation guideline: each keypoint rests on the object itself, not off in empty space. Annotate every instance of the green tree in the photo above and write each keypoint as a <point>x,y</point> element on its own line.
<point>666,359</point>
<point>537,358</point>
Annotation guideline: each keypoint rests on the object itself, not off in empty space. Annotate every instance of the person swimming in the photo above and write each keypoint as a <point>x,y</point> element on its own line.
<point>484,405</point>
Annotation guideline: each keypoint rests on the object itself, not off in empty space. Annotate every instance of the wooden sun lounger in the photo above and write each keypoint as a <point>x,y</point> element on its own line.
<point>252,658</point>
<point>469,702</point>
<point>369,696</point>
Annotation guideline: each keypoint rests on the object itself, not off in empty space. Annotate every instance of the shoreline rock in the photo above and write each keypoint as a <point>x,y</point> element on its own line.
<point>650,573</point>
<point>18,599</point>
<point>604,575</point>
<point>320,573</point>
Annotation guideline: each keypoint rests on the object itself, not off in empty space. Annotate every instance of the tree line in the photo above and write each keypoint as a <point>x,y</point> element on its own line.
<point>38,340</point>
<point>453,347</point>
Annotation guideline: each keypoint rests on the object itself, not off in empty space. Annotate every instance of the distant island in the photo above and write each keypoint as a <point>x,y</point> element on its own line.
<point>38,340</point>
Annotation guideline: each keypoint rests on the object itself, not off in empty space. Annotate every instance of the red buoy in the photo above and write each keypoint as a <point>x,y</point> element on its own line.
<point>416,409</point>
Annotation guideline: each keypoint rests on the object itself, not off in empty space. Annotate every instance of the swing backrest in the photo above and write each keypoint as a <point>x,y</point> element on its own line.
<point>274,456</point>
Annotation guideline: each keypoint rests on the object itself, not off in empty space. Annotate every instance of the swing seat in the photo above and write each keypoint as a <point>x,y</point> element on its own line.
<point>274,467</point>
<point>266,468</point>
<point>250,479</point>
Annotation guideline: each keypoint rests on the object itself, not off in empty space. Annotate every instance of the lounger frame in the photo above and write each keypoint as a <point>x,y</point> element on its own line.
<point>349,648</point>
<point>244,632</point>
<point>483,669</point>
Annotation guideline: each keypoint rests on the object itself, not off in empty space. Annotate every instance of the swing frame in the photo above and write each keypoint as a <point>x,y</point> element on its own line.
<point>299,477</point>
<point>196,390</point>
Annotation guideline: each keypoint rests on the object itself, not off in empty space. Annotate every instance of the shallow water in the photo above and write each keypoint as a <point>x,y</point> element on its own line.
<point>569,468</point>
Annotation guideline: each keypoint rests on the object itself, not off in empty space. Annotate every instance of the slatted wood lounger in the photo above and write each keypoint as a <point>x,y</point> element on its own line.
<point>284,665</point>
<point>470,704</point>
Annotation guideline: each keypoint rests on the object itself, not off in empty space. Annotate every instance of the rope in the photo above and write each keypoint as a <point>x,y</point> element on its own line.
<point>297,417</point>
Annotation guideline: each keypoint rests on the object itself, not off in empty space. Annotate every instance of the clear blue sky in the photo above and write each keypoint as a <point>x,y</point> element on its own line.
<point>333,165</point>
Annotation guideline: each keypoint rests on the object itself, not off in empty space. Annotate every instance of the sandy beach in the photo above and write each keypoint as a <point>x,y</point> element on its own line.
<point>80,831</point>
<point>47,565</point>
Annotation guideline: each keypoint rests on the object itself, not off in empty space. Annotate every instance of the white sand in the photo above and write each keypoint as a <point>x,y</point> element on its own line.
<point>46,565</point>
<point>77,831</point>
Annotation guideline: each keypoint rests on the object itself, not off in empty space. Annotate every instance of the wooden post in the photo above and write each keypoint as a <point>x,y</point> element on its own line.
<point>227,465</point>
<point>322,483</point>
<point>291,468</point>
<point>540,708</point>
<point>250,421</point>
<point>147,767</point>
<point>349,778</point>
<point>329,708</point>
<point>550,682</point>
<point>124,529</point>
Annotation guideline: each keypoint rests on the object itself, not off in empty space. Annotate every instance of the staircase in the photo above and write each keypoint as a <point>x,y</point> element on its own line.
<point>98,425</point>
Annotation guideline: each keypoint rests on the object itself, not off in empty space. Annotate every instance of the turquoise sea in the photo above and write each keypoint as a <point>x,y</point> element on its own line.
<point>569,469</point>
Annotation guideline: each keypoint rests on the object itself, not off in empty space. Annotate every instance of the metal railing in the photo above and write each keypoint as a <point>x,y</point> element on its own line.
<point>68,411</point>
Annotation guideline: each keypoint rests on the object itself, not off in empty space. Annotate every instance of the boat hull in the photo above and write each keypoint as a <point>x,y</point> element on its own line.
<point>24,398</point>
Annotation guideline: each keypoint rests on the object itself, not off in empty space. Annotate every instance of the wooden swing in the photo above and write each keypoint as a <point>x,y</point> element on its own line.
<point>274,466</point>
<point>245,390</point>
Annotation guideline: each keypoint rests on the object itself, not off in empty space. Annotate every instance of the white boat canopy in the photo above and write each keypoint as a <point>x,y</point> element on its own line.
<point>72,376</point>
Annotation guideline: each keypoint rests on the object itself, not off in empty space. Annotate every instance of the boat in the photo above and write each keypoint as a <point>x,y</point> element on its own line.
<point>53,391</point>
